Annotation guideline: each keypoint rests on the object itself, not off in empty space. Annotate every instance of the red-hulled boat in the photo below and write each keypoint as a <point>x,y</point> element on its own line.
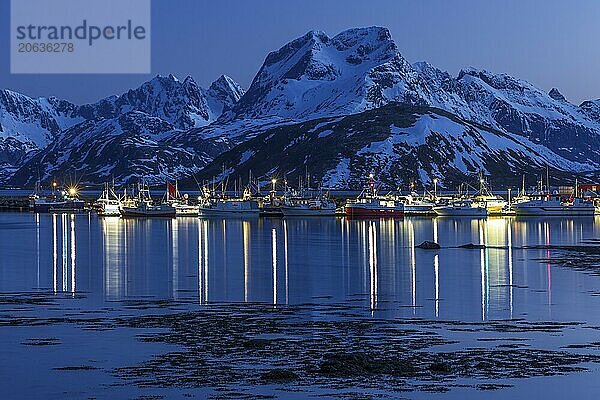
<point>370,204</point>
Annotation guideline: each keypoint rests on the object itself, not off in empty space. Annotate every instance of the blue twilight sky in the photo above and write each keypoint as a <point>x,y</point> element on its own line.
<point>547,42</point>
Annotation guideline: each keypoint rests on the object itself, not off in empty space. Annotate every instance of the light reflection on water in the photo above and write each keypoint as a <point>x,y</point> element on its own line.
<point>293,261</point>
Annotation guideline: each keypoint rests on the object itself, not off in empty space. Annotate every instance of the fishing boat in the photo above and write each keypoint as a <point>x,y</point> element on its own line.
<point>320,206</point>
<point>371,204</point>
<point>229,208</point>
<point>143,206</point>
<point>109,204</point>
<point>146,210</point>
<point>462,208</point>
<point>415,205</point>
<point>547,205</point>
<point>494,204</point>
<point>180,202</point>
<point>60,200</point>
<point>543,203</point>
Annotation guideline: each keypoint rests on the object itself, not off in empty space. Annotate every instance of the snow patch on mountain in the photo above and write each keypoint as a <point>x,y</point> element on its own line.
<point>338,176</point>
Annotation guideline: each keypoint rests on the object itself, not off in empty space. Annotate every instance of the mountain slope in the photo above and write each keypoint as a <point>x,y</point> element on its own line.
<point>124,148</point>
<point>360,69</point>
<point>36,122</point>
<point>183,104</point>
<point>53,128</point>
<point>399,143</point>
<point>316,75</point>
<point>28,124</point>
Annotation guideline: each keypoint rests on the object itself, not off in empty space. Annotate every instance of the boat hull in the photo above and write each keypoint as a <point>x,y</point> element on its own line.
<point>186,212</point>
<point>368,212</point>
<point>461,212</point>
<point>307,212</point>
<point>565,211</point>
<point>412,209</point>
<point>138,213</point>
<point>62,206</point>
<point>210,212</point>
<point>109,211</point>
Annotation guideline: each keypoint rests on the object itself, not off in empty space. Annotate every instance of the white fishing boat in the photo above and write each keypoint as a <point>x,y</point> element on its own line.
<point>462,208</point>
<point>180,202</point>
<point>109,204</point>
<point>146,210</point>
<point>415,205</point>
<point>320,206</point>
<point>229,208</point>
<point>142,206</point>
<point>547,205</point>
<point>494,204</point>
<point>370,204</point>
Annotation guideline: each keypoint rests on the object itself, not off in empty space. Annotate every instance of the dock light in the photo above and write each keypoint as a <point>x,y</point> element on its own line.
<point>72,191</point>
<point>54,184</point>
<point>435,181</point>
<point>273,181</point>
<point>371,176</point>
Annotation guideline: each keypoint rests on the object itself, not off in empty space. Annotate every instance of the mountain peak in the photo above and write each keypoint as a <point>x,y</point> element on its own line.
<point>290,78</point>
<point>226,90</point>
<point>556,95</point>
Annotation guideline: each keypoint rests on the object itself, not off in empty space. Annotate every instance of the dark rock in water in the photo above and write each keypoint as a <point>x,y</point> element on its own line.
<point>440,366</point>
<point>344,364</point>
<point>472,246</point>
<point>354,364</point>
<point>279,375</point>
<point>427,245</point>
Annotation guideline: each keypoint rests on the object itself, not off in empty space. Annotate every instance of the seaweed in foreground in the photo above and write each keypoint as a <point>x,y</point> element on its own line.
<point>229,347</point>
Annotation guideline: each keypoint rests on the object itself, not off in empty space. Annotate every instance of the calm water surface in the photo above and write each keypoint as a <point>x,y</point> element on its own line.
<point>93,264</point>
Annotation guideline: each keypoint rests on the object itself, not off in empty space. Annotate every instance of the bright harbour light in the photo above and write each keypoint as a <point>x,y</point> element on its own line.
<point>72,191</point>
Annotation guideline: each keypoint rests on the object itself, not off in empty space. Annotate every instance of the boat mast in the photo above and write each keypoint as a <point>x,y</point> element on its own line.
<point>547,178</point>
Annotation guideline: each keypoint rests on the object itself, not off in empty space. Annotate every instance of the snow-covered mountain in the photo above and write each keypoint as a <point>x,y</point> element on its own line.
<point>28,124</point>
<point>359,69</point>
<point>31,125</point>
<point>181,103</point>
<point>123,148</point>
<point>310,78</point>
<point>316,75</point>
<point>399,143</point>
<point>591,108</point>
